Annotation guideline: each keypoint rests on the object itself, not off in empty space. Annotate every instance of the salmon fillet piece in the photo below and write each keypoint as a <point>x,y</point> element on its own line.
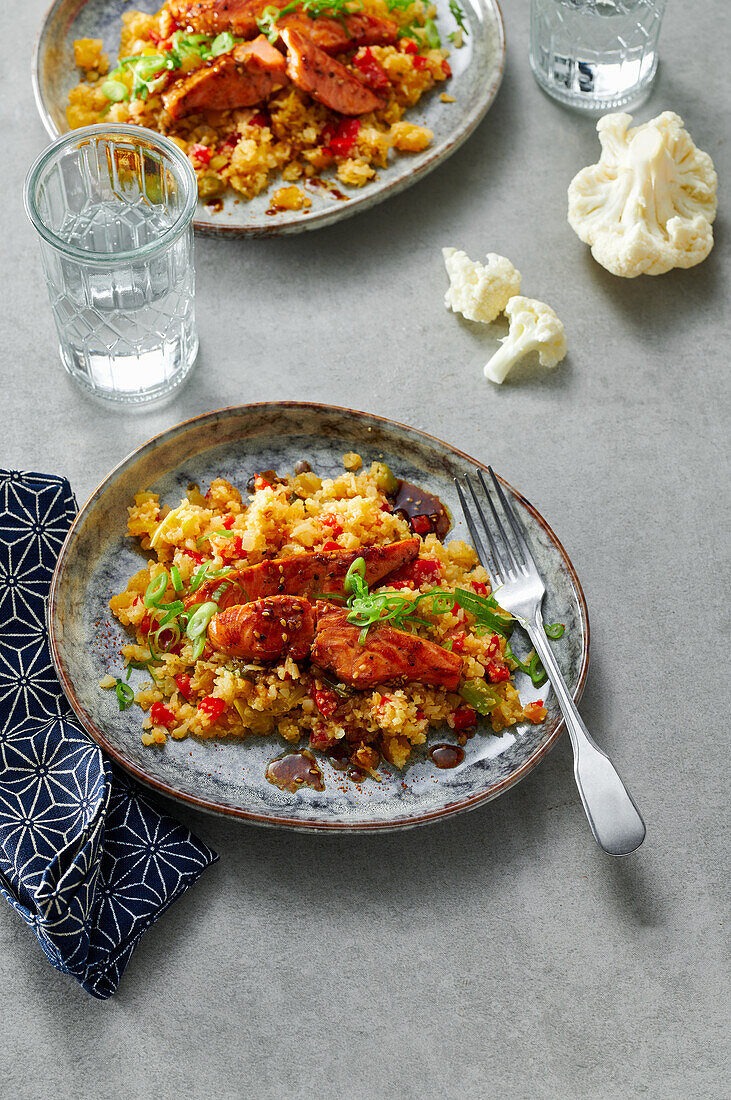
<point>336,36</point>
<point>306,574</point>
<point>324,78</point>
<point>241,78</point>
<point>215,16</point>
<point>388,655</point>
<point>267,630</point>
<point>239,17</point>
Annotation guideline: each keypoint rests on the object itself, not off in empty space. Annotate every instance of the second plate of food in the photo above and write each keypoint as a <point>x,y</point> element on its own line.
<point>201,537</point>
<point>419,78</point>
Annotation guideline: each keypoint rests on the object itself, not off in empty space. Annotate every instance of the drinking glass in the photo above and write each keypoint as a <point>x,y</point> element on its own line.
<point>597,55</point>
<point>113,208</point>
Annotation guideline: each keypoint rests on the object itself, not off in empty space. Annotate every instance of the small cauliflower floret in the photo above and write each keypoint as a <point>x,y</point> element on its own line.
<point>533,327</point>
<point>479,291</point>
<point>648,204</point>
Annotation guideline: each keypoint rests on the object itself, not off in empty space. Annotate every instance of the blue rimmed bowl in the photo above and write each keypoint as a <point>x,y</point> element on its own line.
<point>228,776</point>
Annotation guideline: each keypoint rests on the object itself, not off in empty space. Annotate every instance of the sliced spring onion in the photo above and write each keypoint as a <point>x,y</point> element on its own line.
<point>176,578</point>
<point>198,622</point>
<point>156,589</point>
<point>482,608</point>
<point>166,628</point>
<point>532,667</point>
<point>125,695</point>
<point>115,90</point>
<point>219,531</point>
<point>222,44</point>
<point>432,34</point>
<point>198,647</point>
<point>356,570</point>
<point>555,630</point>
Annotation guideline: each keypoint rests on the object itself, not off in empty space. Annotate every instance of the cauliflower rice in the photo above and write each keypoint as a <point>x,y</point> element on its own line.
<point>295,514</point>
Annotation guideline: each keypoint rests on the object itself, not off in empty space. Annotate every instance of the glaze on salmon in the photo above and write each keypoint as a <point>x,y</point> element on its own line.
<point>314,575</point>
<point>267,630</point>
<point>242,78</point>
<point>336,36</point>
<point>239,18</point>
<point>387,656</point>
<point>215,16</point>
<point>325,79</point>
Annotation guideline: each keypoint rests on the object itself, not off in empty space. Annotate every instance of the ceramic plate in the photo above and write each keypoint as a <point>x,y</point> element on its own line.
<point>477,71</point>
<point>227,776</point>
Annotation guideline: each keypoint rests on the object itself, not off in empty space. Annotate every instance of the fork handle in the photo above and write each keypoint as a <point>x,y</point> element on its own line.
<point>613,816</point>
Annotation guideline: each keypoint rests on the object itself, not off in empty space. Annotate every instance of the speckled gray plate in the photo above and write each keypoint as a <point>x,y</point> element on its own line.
<point>477,70</point>
<point>228,776</point>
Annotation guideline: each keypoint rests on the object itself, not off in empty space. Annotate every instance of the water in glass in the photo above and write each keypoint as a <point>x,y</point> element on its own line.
<point>595,54</point>
<point>130,328</point>
<point>113,209</point>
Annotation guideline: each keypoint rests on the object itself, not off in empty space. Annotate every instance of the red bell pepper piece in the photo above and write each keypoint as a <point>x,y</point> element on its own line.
<point>325,701</point>
<point>418,62</point>
<point>409,45</point>
<point>464,717</point>
<point>212,707</point>
<point>183,682</point>
<point>162,715</point>
<point>341,143</point>
<point>200,153</point>
<point>497,673</point>
<point>421,525</point>
<point>371,71</point>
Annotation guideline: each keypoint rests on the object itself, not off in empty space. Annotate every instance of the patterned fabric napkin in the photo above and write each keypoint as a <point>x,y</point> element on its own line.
<point>85,859</point>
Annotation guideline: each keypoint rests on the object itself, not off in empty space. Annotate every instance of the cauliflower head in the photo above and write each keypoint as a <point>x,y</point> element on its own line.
<point>479,291</point>
<point>533,327</point>
<point>649,203</point>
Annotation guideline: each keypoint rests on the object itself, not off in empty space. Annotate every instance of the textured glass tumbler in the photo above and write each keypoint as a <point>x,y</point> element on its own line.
<point>597,55</point>
<point>113,207</point>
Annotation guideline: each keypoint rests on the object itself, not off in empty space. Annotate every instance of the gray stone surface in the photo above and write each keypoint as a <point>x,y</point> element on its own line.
<point>500,953</point>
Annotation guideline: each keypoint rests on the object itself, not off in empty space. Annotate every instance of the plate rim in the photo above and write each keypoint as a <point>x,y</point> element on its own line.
<point>340,211</point>
<point>298,824</point>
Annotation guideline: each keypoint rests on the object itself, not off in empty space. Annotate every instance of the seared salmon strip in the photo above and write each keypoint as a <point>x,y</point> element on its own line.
<point>241,78</point>
<point>215,16</point>
<point>313,575</point>
<point>387,656</point>
<point>239,17</point>
<point>267,630</point>
<point>338,36</point>
<point>324,78</point>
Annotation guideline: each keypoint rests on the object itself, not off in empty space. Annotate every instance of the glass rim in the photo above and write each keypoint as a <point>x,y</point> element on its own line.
<point>143,136</point>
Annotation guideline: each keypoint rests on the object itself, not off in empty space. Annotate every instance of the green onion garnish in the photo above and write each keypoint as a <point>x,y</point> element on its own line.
<point>555,630</point>
<point>125,695</point>
<point>156,589</point>
<point>198,622</point>
<point>432,34</point>
<point>222,44</point>
<point>176,578</point>
<point>115,90</point>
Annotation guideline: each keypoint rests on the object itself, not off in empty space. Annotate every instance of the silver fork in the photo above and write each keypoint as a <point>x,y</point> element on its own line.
<point>614,818</point>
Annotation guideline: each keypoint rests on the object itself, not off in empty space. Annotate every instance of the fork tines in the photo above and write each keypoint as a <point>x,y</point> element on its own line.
<point>507,559</point>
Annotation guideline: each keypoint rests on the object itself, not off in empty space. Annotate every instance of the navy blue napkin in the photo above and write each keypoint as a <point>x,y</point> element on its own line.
<point>85,858</point>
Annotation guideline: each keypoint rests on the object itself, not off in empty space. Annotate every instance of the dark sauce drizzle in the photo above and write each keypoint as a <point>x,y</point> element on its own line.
<point>295,770</point>
<point>412,502</point>
<point>446,756</point>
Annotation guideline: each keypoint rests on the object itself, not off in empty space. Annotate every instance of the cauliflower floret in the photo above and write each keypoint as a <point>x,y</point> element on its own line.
<point>533,327</point>
<point>478,291</point>
<point>648,205</point>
